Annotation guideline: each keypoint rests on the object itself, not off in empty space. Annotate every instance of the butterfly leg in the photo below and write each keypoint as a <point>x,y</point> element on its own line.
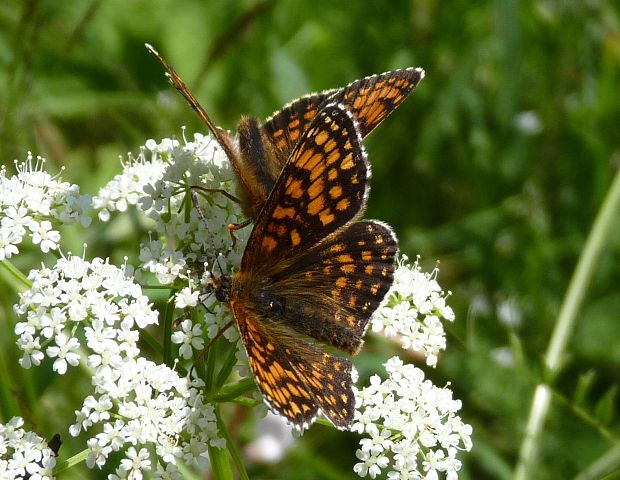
<point>211,342</point>
<point>216,190</point>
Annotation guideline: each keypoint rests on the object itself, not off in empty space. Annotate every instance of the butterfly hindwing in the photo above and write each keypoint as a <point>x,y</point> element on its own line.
<point>323,186</point>
<point>296,378</point>
<point>330,291</point>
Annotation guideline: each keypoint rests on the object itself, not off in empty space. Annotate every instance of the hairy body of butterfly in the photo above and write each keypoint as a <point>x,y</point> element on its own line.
<point>311,272</point>
<point>259,151</point>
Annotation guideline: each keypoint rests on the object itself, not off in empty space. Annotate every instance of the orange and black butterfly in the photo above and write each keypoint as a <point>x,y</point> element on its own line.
<point>312,272</point>
<point>260,151</point>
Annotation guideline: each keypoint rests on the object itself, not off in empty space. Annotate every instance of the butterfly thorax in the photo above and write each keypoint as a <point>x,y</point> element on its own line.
<point>220,287</point>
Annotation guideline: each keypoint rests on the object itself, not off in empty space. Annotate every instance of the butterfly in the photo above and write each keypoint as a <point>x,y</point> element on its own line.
<point>312,273</point>
<point>260,151</point>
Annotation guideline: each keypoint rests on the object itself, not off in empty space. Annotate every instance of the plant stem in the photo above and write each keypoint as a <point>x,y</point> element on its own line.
<point>565,324</point>
<point>22,280</point>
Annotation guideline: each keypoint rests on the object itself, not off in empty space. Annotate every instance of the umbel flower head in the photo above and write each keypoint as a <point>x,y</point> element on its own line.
<point>33,203</point>
<point>135,402</point>
<point>413,311</point>
<point>411,426</point>
<point>24,454</point>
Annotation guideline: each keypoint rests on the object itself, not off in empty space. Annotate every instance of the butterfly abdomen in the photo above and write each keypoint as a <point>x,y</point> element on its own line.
<point>255,165</point>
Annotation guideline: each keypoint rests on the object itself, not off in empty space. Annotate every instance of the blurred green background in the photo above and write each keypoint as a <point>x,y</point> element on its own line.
<point>496,167</point>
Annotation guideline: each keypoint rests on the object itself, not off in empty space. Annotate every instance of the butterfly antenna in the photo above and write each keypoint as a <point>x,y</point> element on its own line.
<point>179,84</point>
<point>210,344</point>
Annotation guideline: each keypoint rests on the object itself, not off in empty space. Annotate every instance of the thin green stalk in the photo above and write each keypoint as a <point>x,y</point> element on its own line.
<point>565,324</point>
<point>168,331</point>
<point>70,462</point>
<point>232,448</point>
<point>16,274</point>
<point>233,390</point>
<point>608,462</point>
<point>220,463</point>
<point>227,367</point>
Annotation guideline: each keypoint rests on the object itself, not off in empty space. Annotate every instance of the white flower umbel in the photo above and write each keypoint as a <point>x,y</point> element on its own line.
<point>95,295</point>
<point>33,203</point>
<point>190,237</point>
<point>161,186</point>
<point>135,402</point>
<point>413,310</point>
<point>23,453</point>
<point>410,426</point>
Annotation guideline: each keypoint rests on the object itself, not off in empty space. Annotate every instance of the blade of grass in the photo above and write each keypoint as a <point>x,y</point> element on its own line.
<point>565,325</point>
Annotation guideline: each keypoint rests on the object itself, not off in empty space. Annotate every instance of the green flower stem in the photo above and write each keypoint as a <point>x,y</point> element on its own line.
<point>168,331</point>
<point>233,390</point>
<point>219,456</point>
<point>565,324</point>
<point>70,462</point>
<point>232,449</point>
<point>227,367</point>
<point>22,281</point>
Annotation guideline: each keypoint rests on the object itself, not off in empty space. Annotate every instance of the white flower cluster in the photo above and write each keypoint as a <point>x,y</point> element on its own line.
<point>161,187</point>
<point>23,454</point>
<point>97,295</point>
<point>34,203</point>
<point>184,236</point>
<point>135,401</point>
<point>148,406</point>
<point>411,426</point>
<point>128,187</point>
<point>413,310</point>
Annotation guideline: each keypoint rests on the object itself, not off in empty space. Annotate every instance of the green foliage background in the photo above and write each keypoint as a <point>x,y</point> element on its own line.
<point>504,211</point>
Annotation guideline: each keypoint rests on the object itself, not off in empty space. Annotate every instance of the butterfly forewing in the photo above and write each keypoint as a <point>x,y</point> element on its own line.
<point>369,99</point>
<point>322,187</point>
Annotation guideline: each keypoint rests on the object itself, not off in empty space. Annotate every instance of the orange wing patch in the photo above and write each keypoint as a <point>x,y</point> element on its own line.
<point>296,378</point>
<point>318,191</point>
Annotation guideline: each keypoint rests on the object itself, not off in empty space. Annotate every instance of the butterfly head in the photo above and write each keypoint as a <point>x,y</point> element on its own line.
<point>220,286</point>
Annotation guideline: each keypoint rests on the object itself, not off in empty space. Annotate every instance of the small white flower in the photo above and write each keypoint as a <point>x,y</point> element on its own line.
<point>190,336</point>
<point>8,243</point>
<point>64,351</point>
<point>43,234</point>
<point>135,463</point>
<point>186,298</point>
<point>32,351</point>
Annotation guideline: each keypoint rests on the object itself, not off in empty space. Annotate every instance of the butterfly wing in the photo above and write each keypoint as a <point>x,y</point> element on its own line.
<point>322,187</point>
<point>369,99</point>
<point>373,98</point>
<point>295,377</point>
<point>330,291</point>
<point>308,267</point>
